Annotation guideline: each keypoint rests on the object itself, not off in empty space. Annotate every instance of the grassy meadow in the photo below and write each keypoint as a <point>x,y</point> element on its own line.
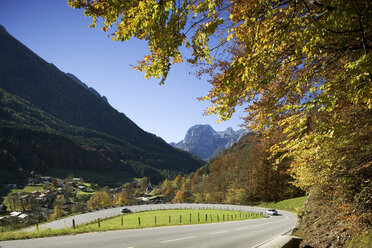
<point>291,205</point>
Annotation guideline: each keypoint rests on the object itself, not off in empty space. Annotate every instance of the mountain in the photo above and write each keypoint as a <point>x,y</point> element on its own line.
<point>204,142</point>
<point>72,76</point>
<point>50,119</point>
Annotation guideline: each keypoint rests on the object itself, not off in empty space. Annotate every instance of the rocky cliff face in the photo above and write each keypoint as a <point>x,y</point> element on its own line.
<point>204,142</point>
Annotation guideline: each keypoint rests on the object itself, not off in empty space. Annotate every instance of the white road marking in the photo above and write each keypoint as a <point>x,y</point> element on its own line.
<point>218,232</point>
<point>173,240</point>
<point>241,228</point>
<point>283,233</point>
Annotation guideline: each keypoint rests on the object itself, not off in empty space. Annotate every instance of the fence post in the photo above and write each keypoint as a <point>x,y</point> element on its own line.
<point>206,217</point>
<point>99,222</point>
<point>122,221</point>
<point>218,218</point>
<point>73,223</point>
<point>180,219</point>
<point>155,220</point>
<point>139,220</point>
<point>198,217</point>
<point>169,219</point>
<point>190,217</point>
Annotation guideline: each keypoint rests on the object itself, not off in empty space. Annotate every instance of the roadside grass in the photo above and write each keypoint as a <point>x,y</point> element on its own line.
<point>170,218</point>
<point>140,220</point>
<point>293,205</point>
<point>360,241</point>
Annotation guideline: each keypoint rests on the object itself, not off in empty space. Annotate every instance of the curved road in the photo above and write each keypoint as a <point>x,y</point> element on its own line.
<point>106,213</point>
<point>247,233</point>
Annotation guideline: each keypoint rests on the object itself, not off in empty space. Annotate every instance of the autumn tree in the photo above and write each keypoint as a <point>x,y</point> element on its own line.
<point>293,63</point>
<point>60,200</point>
<point>184,185</point>
<point>57,212</point>
<point>166,185</point>
<point>182,196</point>
<point>168,190</point>
<point>99,199</point>
<point>177,183</point>
<point>196,181</point>
<point>126,197</point>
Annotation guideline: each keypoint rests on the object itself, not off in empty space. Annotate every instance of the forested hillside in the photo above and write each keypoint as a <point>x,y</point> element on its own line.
<point>48,120</point>
<point>241,175</point>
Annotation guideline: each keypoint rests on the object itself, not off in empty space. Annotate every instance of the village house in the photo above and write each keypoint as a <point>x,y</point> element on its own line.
<point>15,213</point>
<point>82,187</point>
<point>41,197</point>
<point>22,217</point>
<point>76,179</point>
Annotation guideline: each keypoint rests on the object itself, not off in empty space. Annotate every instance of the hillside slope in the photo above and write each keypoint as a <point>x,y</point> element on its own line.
<point>64,124</point>
<point>243,174</point>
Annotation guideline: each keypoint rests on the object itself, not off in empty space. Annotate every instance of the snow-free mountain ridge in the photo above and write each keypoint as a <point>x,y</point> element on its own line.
<point>204,142</point>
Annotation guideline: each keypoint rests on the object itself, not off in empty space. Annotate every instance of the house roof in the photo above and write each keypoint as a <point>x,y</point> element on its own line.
<point>15,213</point>
<point>22,216</point>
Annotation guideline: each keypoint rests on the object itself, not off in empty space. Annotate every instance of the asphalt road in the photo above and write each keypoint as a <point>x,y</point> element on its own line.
<point>248,233</point>
<point>106,213</point>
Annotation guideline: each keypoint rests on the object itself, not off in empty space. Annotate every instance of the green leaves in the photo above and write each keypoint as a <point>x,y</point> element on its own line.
<point>295,65</point>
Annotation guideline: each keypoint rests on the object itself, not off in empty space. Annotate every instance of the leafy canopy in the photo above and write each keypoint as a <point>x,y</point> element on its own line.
<point>300,67</point>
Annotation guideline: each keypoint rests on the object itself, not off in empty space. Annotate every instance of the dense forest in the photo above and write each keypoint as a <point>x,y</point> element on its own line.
<point>241,175</point>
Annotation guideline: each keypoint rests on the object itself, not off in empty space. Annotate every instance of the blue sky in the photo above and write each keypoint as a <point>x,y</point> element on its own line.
<point>60,35</point>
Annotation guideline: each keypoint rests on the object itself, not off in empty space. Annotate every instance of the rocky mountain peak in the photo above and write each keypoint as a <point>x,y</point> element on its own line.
<point>204,142</point>
<point>199,131</point>
<point>229,130</point>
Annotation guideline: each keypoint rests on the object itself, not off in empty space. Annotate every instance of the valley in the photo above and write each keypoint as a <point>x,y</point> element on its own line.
<point>93,92</point>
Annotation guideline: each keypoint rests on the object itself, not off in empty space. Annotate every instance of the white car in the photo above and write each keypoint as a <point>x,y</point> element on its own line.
<point>271,212</point>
